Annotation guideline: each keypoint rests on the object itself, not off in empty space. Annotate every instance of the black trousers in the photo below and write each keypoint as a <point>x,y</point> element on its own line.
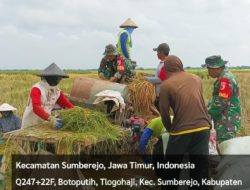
<point>158,157</point>
<point>195,145</point>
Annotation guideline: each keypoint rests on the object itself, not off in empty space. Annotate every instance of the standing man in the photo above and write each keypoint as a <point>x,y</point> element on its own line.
<point>114,67</point>
<point>224,107</point>
<point>44,96</point>
<point>189,131</point>
<point>160,74</point>
<point>124,38</point>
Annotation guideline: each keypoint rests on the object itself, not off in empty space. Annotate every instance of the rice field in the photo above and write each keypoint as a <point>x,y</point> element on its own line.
<point>15,87</point>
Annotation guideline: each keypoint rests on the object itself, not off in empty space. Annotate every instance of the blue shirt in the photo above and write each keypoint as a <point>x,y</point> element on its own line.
<point>10,123</point>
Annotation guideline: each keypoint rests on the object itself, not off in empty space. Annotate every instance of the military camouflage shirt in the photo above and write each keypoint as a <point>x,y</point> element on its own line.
<point>225,108</point>
<point>110,69</point>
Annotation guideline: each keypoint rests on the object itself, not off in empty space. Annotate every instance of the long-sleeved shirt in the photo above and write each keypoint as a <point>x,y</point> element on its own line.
<point>124,43</point>
<point>39,110</point>
<point>160,75</point>
<point>225,107</point>
<point>154,128</point>
<point>124,37</point>
<point>10,123</point>
<point>110,69</point>
<point>183,93</point>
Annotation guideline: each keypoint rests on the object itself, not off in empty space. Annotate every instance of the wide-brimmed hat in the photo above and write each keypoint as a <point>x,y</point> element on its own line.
<point>110,50</point>
<point>128,23</point>
<point>214,61</point>
<point>7,107</point>
<point>53,70</point>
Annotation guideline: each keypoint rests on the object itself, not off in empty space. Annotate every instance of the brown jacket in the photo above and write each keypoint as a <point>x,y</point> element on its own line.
<point>183,93</point>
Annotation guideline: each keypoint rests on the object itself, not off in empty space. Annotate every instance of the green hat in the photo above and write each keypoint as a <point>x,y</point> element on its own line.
<point>214,61</point>
<point>110,50</point>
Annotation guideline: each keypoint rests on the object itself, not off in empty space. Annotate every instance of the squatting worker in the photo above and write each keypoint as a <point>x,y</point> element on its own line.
<point>224,107</point>
<point>44,96</point>
<point>160,74</point>
<point>189,131</point>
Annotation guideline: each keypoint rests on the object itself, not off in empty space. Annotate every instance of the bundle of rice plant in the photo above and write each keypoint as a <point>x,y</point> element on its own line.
<point>142,96</point>
<point>84,120</point>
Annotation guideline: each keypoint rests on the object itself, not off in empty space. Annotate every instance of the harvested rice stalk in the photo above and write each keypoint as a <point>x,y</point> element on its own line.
<point>71,142</point>
<point>142,95</point>
<point>84,120</point>
<point>83,130</point>
<point>6,150</point>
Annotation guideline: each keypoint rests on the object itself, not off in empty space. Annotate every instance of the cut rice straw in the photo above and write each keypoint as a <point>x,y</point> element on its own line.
<point>142,95</point>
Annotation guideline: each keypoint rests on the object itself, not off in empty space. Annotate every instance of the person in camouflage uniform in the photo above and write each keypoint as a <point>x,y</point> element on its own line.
<point>224,107</point>
<point>114,67</point>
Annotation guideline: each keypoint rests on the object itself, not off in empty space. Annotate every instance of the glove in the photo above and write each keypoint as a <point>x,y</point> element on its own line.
<point>59,122</point>
<point>56,121</point>
<point>56,109</point>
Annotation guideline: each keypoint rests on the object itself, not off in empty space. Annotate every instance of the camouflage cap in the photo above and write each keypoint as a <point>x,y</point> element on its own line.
<point>214,61</point>
<point>110,50</point>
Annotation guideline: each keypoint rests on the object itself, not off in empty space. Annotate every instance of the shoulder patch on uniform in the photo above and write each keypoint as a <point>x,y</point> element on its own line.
<point>224,88</point>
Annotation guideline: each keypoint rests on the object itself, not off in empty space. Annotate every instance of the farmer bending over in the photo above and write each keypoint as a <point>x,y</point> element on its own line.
<point>43,98</point>
<point>189,131</point>
<point>154,129</point>
<point>114,67</point>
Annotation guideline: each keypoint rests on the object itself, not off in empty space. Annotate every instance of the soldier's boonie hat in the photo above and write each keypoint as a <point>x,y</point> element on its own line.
<point>7,107</point>
<point>110,50</point>
<point>128,23</point>
<point>53,70</point>
<point>164,47</point>
<point>214,61</point>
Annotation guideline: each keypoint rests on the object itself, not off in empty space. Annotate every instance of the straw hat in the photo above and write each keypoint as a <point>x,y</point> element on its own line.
<point>128,23</point>
<point>7,107</point>
<point>53,70</point>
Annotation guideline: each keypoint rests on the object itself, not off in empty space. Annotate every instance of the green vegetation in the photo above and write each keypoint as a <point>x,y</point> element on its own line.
<point>15,88</point>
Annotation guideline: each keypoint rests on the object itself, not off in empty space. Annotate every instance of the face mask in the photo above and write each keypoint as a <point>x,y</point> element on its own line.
<point>6,114</point>
<point>53,80</point>
<point>130,30</point>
